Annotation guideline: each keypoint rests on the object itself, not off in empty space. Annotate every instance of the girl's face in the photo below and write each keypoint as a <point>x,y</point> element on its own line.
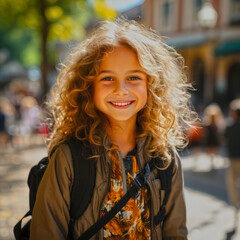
<point>120,88</point>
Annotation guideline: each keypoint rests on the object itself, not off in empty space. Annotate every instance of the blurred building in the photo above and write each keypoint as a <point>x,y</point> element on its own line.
<point>211,52</point>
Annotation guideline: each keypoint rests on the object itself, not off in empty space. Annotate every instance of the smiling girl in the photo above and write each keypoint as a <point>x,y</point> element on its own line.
<point>124,91</point>
<point>120,92</point>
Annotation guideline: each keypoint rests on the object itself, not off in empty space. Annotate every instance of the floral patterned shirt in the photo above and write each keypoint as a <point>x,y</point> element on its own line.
<point>133,221</point>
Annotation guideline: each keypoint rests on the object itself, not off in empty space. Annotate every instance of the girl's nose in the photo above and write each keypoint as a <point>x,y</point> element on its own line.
<point>121,89</point>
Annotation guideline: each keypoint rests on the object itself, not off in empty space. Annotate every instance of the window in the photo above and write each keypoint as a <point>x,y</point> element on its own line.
<point>167,10</point>
<point>191,9</point>
<point>168,15</point>
<point>197,5</point>
<point>235,12</point>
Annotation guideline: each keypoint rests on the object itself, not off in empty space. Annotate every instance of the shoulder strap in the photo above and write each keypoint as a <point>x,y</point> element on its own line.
<point>166,182</point>
<point>84,177</point>
<point>83,181</point>
<point>34,178</point>
<point>166,176</point>
<point>22,232</point>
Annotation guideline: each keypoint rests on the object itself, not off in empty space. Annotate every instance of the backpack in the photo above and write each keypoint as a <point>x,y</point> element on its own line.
<point>84,179</point>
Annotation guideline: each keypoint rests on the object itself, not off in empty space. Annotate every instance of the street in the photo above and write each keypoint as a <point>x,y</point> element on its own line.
<point>210,217</point>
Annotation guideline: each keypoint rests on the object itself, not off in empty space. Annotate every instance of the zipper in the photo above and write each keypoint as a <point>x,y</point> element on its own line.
<point>105,194</point>
<point>123,173</point>
<point>140,167</point>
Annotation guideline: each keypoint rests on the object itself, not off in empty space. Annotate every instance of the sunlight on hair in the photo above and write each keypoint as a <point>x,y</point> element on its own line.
<point>167,113</point>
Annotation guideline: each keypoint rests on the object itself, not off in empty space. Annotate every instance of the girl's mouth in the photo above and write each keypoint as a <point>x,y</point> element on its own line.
<point>121,104</point>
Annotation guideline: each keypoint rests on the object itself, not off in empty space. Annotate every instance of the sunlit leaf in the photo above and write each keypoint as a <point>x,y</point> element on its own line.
<point>103,11</point>
<point>30,19</point>
<point>81,5</point>
<point>62,29</point>
<point>54,13</point>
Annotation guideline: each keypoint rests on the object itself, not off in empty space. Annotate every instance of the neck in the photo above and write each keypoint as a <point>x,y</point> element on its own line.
<point>123,135</point>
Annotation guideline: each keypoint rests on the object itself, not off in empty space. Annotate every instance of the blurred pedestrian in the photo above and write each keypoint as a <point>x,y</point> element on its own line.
<point>3,129</point>
<point>232,136</point>
<point>195,139</point>
<point>213,127</point>
<point>7,112</point>
<point>29,124</point>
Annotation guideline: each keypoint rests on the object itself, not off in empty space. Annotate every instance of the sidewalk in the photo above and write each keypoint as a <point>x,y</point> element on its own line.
<point>14,168</point>
<point>209,215</point>
<point>209,218</point>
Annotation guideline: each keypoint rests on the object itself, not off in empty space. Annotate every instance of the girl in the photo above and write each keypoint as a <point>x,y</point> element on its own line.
<point>124,91</point>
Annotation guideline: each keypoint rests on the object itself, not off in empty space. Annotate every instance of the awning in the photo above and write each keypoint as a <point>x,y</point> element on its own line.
<point>227,48</point>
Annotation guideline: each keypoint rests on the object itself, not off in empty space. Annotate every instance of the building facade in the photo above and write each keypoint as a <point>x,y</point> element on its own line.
<point>212,55</point>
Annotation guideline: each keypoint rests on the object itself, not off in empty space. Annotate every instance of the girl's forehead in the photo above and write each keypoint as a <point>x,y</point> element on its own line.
<point>120,56</point>
<point>118,52</point>
<point>119,48</point>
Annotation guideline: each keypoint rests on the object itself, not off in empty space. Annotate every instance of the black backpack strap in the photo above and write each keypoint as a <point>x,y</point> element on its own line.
<point>138,182</point>
<point>34,179</point>
<point>84,180</point>
<point>166,182</point>
<point>22,232</point>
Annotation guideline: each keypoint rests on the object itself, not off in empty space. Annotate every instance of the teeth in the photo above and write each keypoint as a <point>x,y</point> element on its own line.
<point>121,104</point>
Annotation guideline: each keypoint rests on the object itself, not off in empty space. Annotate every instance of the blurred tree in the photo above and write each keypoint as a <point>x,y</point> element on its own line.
<point>60,20</point>
<point>21,45</point>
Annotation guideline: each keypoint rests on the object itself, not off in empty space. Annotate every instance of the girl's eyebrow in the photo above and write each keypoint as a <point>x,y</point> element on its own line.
<point>136,71</point>
<point>105,71</point>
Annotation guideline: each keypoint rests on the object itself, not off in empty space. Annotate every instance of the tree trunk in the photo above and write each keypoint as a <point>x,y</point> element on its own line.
<point>45,62</point>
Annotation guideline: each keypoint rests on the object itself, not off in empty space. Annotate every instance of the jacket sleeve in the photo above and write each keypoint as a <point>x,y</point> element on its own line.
<point>51,210</point>
<point>174,227</point>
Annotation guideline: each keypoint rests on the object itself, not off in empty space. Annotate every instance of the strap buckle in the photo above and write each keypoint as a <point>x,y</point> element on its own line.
<point>141,178</point>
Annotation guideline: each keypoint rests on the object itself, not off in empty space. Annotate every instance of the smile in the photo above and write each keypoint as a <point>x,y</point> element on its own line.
<point>121,104</point>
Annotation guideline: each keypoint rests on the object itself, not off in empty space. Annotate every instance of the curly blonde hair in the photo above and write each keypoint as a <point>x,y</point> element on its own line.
<point>167,111</point>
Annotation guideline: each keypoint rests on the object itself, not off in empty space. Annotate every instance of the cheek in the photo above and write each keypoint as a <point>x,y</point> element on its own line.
<point>143,94</point>
<point>99,95</point>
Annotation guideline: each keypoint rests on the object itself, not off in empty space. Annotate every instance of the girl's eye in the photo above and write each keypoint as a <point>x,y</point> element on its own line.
<point>107,79</point>
<point>134,78</point>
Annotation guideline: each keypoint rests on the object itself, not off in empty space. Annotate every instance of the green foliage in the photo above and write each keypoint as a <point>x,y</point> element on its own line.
<point>30,55</point>
<point>21,24</point>
<point>23,45</point>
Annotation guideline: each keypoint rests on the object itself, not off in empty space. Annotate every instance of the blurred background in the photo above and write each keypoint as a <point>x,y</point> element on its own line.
<point>36,35</point>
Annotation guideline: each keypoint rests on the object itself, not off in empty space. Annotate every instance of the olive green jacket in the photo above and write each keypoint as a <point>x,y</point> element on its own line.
<point>51,211</point>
